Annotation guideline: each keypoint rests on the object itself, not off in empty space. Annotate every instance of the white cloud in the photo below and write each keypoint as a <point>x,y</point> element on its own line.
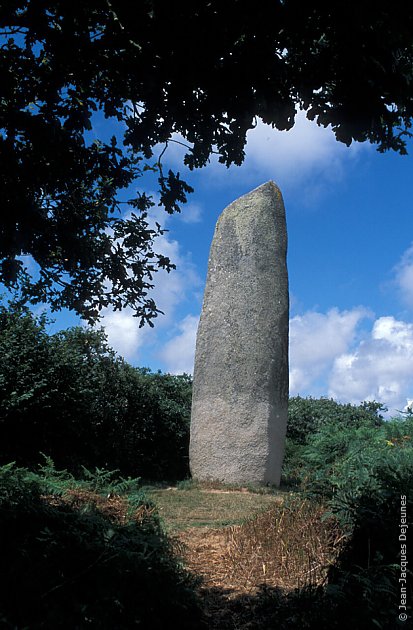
<point>329,357</point>
<point>191,213</point>
<point>404,277</point>
<point>171,289</point>
<point>124,334</point>
<point>380,368</point>
<point>178,354</point>
<point>306,156</point>
<point>304,148</point>
<point>315,341</point>
<point>326,348</point>
<point>395,332</point>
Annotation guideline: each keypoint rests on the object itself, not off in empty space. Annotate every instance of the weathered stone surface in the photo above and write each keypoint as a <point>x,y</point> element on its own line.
<point>240,394</point>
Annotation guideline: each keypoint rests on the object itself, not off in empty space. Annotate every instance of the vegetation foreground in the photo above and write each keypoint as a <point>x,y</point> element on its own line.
<point>95,553</point>
<point>86,546</point>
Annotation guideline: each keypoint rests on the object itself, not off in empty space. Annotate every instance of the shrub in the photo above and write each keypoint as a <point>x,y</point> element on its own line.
<point>338,461</point>
<point>359,466</point>
<point>68,395</point>
<point>364,472</point>
<point>368,569</point>
<point>331,421</point>
<point>360,472</point>
<point>307,415</point>
<point>24,380</point>
<point>154,425</point>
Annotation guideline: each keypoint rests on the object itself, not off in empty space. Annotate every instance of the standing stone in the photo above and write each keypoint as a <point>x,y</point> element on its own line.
<point>240,392</point>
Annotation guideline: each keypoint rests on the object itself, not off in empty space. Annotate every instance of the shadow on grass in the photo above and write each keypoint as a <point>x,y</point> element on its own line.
<point>68,562</point>
<point>268,608</point>
<point>309,608</point>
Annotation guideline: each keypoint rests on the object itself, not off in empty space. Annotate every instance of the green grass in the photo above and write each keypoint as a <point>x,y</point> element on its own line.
<point>197,507</point>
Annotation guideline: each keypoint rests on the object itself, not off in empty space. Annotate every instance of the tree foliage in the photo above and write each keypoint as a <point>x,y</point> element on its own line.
<point>155,69</point>
<point>69,396</point>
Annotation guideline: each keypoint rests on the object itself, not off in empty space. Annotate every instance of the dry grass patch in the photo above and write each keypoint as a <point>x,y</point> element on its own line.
<point>289,546</point>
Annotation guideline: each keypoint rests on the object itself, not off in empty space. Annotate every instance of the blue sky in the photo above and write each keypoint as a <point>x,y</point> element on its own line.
<point>350,219</point>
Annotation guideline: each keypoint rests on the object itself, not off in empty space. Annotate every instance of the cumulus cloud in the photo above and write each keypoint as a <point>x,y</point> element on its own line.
<point>404,277</point>
<point>315,341</point>
<point>178,354</point>
<point>380,368</point>
<point>307,158</point>
<point>329,355</point>
<point>172,289</point>
<point>327,348</point>
<point>123,332</point>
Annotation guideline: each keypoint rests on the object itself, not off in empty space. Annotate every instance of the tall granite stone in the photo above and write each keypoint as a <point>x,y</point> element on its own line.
<point>240,391</point>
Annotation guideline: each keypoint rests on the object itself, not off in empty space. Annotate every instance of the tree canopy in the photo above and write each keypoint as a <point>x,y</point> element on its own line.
<point>203,70</point>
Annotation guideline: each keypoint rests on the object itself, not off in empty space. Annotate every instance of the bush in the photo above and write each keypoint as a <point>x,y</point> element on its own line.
<point>73,561</point>
<point>343,461</point>
<point>367,571</point>
<point>152,432</point>
<point>360,472</point>
<point>68,395</point>
<point>307,415</point>
<point>24,381</point>
<point>360,466</point>
<point>310,417</point>
<point>363,472</point>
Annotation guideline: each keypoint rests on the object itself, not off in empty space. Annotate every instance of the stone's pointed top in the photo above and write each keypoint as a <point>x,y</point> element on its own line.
<point>271,184</point>
<point>269,187</point>
<point>266,198</point>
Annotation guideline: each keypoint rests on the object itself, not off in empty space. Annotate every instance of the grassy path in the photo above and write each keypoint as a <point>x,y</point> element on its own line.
<point>239,542</point>
<point>216,508</point>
